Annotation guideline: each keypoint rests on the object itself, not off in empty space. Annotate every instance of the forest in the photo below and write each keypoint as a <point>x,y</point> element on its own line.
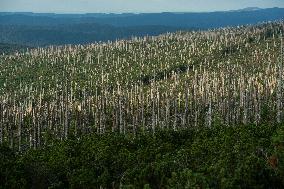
<point>189,109</point>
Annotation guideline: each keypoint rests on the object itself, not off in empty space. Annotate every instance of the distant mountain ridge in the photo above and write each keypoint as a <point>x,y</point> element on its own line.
<point>247,9</point>
<point>248,15</point>
<point>38,29</point>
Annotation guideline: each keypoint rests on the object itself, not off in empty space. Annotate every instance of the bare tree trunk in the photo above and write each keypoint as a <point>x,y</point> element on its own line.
<point>279,86</point>
<point>20,129</point>
<point>1,124</point>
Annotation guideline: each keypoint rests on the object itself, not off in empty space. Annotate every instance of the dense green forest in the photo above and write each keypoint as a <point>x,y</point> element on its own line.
<point>244,156</point>
<point>190,109</point>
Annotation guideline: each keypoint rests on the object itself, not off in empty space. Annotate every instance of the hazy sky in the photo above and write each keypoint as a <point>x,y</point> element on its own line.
<point>92,6</point>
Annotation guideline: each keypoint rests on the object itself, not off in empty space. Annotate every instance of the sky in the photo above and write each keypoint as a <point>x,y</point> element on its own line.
<point>135,6</point>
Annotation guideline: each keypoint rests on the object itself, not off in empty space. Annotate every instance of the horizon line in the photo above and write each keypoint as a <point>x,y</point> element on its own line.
<point>142,12</point>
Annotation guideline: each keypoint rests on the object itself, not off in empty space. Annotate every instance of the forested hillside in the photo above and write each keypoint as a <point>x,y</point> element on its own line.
<point>177,80</point>
<point>199,109</point>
